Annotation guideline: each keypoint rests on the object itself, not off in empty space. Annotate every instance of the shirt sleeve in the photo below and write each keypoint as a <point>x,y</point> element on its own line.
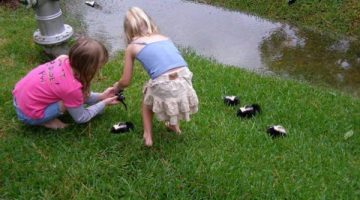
<point>93,98</point>
<point>82,115</point>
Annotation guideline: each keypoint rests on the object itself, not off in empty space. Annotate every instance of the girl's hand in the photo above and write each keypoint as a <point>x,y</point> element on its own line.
<point>111,101</point>
<point>116,87</point>
<point>109,92</point>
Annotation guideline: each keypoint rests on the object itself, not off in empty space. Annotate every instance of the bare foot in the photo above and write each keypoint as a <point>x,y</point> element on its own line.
<point>148,139</point>
<point>148,142</point>
<point>173,128</point>
<point>55,124</point>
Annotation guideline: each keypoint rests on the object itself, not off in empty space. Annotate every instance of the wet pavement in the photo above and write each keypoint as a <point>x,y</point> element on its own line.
<point>234,38</point>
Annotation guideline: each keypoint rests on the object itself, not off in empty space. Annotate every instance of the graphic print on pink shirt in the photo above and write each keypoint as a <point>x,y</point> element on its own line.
<point>46,84</point>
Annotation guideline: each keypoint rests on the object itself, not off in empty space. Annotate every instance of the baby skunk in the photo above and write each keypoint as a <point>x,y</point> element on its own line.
<point>290,2</point>
<point>121,98</point>
<point>276,131</point>
<point>249,110</point>
<point>122,127</point>
<point>231,100</point>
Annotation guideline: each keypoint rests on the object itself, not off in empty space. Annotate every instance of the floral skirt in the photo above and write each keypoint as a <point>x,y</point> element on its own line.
<point>171,96</point>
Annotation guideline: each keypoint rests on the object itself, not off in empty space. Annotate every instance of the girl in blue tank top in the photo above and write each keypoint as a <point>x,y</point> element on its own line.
<point>169,93</point>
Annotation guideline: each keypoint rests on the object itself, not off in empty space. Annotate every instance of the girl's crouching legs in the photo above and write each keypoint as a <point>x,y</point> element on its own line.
<point>56,123</point>
<point>147,116</point>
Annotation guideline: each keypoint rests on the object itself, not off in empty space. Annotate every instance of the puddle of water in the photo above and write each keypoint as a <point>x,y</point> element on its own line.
<point>313,57</point>
<point>234,38</point>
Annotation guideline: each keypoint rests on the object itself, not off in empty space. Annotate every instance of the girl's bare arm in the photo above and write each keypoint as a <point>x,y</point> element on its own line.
<point>125,79</point>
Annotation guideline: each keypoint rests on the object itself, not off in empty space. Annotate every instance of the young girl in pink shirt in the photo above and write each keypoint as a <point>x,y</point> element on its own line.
<point>62,85</point>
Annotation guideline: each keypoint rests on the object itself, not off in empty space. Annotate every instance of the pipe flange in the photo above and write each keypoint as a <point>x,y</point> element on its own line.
<point>54,39</point>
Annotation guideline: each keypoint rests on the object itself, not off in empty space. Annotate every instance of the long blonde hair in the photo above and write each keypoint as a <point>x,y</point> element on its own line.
<point>86,57</point>
<point>138,23</point>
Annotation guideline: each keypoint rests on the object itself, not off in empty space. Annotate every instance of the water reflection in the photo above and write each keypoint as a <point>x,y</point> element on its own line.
<point>229,37</point>
<point>233,38</point>
<point>313,57</point>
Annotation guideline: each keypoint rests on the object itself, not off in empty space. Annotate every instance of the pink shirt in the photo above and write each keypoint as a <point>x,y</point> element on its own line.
<point>46,84</point>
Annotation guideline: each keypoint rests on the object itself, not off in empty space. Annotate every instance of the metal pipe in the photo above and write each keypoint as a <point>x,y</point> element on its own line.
<point>52,33</point>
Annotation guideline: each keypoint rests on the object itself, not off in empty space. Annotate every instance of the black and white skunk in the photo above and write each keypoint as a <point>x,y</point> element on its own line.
<point>121,98</point>
<point>290,2</point>
<point>231,100</point>
<point>249,110</point>
<point>276,131</point>
<point>122,127</point>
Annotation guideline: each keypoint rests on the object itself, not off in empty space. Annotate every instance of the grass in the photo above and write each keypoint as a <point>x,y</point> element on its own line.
<point>327,16</point>
<point>219,156</point>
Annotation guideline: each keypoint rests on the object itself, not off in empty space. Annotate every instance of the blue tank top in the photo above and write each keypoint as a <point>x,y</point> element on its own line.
<point>159,57</point>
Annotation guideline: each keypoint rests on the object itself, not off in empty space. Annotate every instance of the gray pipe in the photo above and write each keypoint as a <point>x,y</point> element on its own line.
<point>52,33</point>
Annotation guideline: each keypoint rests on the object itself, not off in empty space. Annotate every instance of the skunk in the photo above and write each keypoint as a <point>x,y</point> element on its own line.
<point>122,127</point>
<point>249,110</point>
<point>290,2</point>
<point>276,131</point>
<point>121,98</point>
<point>231,100</point>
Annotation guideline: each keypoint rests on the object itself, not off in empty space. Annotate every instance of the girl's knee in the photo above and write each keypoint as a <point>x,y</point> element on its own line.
<point>62,107</point>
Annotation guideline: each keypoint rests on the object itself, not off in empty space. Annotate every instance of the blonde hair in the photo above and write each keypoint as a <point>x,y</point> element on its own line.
<point>86,57</point>
<point>138,23</point>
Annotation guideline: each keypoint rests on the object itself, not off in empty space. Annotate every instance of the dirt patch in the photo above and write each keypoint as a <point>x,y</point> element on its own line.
<point>2,42</point>
<point>13,4</point>
<point>7,63</point>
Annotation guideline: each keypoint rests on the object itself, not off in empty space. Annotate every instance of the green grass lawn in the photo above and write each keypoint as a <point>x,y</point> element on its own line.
<point>218,156</point>
<point>327,16</point>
